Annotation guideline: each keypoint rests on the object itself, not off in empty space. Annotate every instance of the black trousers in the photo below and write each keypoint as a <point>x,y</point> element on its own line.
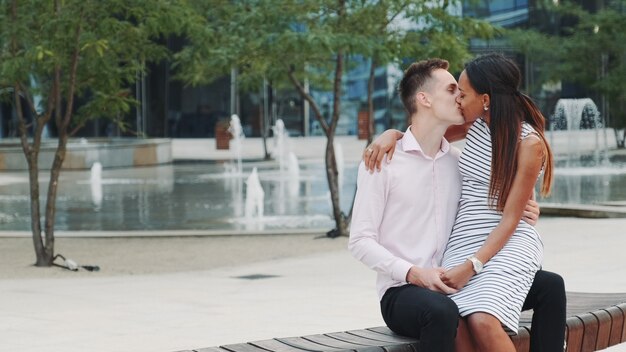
<point>418,312</point>
<point>547,298</point>
<point>433,317</point>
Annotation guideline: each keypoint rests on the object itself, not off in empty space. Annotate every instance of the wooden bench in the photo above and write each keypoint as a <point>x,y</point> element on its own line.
<point>595,321</point>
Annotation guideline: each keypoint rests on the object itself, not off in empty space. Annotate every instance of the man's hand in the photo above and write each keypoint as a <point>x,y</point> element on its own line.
<point>428,278</point>
<point>531,212</point>
<point>458,276</point>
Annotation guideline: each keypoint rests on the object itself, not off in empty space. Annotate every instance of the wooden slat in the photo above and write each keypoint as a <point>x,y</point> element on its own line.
<point>617,324</point>
<point>370,349</point>
<point>526,318</point>
<point>604,329</point>
<point>242,347</point>
<point>306,344</point>
<point>575,332</point>
<point>388,347</point>
<point>276,346</point>
<point>622,307</point>
<point>210,349</point>
<point>411,347</point>
<point>590,332</point>
<point>583,302</point>
<point>522,340</point>
<point>414,347</point>
<point>344,336</point>
<point>371,334</point>
<point>337,343</point>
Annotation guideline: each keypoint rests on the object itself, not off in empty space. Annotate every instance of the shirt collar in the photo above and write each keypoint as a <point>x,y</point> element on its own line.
<point>409,143</point>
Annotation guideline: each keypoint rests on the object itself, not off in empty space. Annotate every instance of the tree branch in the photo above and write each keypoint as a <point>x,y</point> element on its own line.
<point>27,95</point>
<point>309,98</point>
<point>400,10</point>
<point>72,78</point>
<point>76,129</point>
<point>337,90</point>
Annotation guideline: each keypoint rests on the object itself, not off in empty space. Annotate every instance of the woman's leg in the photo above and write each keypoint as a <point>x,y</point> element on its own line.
<point>488,333</point>
<point>463,341</point>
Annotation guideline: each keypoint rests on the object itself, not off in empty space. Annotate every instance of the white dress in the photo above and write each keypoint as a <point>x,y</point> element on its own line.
<point>501,288</point>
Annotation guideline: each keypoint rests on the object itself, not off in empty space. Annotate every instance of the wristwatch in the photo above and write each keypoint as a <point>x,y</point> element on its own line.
<point>476,264</point>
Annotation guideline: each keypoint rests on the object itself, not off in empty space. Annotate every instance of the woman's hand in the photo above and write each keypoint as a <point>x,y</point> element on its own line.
<point>458,276</point>
<point>375,152</point>
<point>428,278</point>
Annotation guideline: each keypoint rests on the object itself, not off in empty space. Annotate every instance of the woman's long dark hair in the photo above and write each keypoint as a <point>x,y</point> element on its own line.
<point>499,77</point>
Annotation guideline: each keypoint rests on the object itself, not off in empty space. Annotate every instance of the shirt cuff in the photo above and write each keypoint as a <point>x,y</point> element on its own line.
<point>400,269</point>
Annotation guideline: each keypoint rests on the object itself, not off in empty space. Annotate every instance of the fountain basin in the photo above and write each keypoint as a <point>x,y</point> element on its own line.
<point>83,153</point>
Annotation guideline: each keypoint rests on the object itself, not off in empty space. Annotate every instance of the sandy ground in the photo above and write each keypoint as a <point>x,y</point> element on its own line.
<point>157,255</point>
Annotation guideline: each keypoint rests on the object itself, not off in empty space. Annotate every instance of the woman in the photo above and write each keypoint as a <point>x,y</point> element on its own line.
<point>492,256</point>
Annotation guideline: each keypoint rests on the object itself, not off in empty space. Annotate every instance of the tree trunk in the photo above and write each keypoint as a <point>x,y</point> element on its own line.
<point>341,228</point>
<point>53,185</point>
<point>43,258</point>
<point>31,152</point>
<point>621,141</point>
<point>332,175</point>
<point>370,103</point>
<point>265,119</point>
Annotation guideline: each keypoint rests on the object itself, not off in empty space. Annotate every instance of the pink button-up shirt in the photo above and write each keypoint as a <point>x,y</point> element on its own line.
<point>403,215</point>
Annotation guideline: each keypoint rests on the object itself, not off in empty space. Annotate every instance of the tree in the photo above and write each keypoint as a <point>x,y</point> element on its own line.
<point>74,50</point>
<point>315,41</point>
<point>595,48</point>
<point>589,49</point>
<point>287,40</point>
<point>429,30</point>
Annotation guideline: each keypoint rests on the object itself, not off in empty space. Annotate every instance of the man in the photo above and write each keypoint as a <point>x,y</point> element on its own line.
<point>403,216</point>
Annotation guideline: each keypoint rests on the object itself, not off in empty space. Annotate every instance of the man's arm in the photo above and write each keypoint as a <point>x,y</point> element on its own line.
<point>367,216</point>
<point>364,243</point>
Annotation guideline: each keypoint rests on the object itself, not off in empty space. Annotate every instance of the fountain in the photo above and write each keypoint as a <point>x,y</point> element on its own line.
<point>584,173</point>
<point>96,185</point>
<point>254,196</point>
<point>200,197</point>
<point>578,117</point>
<point>236,131</point>
<point>293,172</point>
<point>280,144</point>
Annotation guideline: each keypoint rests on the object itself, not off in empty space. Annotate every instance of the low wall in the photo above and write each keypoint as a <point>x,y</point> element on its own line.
<point>83,153</point>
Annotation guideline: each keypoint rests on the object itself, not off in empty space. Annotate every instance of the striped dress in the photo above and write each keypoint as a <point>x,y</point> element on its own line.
<point>501,288</point>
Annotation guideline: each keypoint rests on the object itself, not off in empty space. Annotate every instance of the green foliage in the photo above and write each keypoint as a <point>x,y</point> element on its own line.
<point>587,45</point>
<point>110,40</point>
<point>265,39</point>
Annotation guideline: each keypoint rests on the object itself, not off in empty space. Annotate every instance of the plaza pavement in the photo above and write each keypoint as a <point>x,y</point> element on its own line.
<point>307,294</point>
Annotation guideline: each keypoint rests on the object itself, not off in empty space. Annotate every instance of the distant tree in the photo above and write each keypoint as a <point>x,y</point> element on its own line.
<point>65,51</point>
<point>589,49</point>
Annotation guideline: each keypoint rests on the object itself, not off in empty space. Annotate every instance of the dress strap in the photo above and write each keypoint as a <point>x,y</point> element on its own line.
<point>528,131</point>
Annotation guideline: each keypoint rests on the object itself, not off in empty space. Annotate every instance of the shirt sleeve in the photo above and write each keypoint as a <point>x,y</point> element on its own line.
<point>367,216</point>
